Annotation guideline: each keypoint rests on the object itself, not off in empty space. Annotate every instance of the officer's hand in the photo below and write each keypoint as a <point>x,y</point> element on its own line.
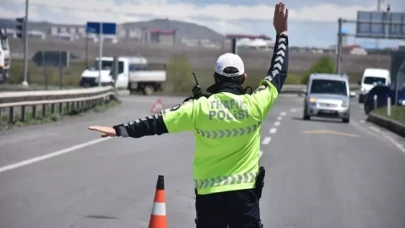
<point>107,131</point>
<point>280,18</point>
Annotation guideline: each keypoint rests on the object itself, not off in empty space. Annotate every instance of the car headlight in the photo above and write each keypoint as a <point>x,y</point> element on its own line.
<point>345,104</point>
<point>402,102</point>
<point>363,89</point>
<point>312,101</point>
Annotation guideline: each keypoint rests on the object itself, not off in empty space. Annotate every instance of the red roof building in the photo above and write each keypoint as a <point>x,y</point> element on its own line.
<point>161,36</point>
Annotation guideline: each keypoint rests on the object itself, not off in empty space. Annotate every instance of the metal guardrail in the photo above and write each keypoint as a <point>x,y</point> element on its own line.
<point>67,100</point>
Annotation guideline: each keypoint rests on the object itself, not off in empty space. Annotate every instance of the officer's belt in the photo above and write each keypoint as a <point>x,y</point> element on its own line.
<point>249,177</point>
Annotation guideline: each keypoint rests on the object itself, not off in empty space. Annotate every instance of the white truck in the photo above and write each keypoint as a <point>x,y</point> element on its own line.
<point>5,60</point>
<point>133,74</point>
<point>372,77</point>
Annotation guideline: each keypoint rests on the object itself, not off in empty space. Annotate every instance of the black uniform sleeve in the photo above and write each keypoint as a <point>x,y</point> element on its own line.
<point>277,73</point>
<point>150,125</point>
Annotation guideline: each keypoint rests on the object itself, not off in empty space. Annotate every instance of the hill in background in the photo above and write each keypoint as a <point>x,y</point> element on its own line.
<point>184,30</point>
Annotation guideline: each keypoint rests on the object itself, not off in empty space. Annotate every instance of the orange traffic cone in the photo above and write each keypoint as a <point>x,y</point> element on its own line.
<point>158,217</point>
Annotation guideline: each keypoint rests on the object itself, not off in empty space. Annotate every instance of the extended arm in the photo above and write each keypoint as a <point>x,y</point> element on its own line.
<point>150,125</point>
<point>178,118</point>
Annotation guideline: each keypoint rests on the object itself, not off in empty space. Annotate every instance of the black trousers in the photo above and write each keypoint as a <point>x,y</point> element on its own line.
<point>236,209</point>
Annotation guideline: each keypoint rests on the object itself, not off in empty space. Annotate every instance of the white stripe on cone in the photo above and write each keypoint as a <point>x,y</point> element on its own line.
<point>159,209</point>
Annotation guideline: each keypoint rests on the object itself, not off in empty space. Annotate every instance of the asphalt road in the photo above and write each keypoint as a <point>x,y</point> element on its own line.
<point>320,174</point>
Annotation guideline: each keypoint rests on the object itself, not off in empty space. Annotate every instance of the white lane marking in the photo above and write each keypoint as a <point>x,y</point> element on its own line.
<point>283,113</point>
<point>277,123</point>
<point>375,129</point>
<point>266,140</point>
<point>362,121</point>
<point>280,118</point>
<point>389,138</point>
<point>398,145</point>
<point>293,110</point>
<point>51,155</point>
<point>260,154</point>
<point>273,130</point>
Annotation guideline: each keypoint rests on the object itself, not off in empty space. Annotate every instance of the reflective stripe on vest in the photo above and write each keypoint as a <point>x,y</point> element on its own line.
<point>249,177</point>
<point>227,133</point>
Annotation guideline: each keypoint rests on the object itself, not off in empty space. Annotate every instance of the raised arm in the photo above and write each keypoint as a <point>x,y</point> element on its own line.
<point>278,70</point>
<point>266,94</point>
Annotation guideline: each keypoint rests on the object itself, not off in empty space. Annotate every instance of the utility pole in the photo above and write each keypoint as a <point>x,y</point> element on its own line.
<point>379,3</point>
<point>25,32</point>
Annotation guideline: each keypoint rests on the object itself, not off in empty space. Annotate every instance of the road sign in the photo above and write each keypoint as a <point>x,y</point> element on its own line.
<point>369,24</point>
<point>397,30</point>
<point>52,58</point>
<point>107,28</point>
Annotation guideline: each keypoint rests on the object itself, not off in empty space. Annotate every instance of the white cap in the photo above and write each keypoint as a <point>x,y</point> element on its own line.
<point>229,60</point>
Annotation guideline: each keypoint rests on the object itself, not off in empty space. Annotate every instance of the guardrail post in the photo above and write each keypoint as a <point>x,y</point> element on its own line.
<point>53,108</point>
<point>388,106</point>
<point>375,101</point>
<point>11,114</point>
<point>44,110</point>
<point>34,112</point>
<point>1,117</point>
<point>23,113</point>
<point>61,108</point>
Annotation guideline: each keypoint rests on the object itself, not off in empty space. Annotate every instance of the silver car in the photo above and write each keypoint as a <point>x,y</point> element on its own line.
<point>327,95</point>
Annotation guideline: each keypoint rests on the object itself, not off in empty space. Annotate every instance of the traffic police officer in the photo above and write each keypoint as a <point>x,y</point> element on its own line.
<point>227,127</point>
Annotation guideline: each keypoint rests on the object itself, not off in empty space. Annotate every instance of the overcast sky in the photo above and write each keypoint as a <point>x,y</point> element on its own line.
<point>312,22</point>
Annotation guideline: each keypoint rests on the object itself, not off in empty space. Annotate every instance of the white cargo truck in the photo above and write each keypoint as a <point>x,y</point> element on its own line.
<point>5,60</point>
<point>133,74</point>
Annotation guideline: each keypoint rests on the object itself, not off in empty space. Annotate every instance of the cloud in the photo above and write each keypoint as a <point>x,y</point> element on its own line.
<point>129,10</point>
<point>311,18</point>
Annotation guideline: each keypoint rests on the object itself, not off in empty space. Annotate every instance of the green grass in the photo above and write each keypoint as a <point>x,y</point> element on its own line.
<point>397,113</point>
<point>36,75</point>
<point>179,76</point>
<point>54,117</point>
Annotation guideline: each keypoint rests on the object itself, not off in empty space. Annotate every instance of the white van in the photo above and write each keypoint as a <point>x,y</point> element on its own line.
<point>133,74</point>
<point>372,77</point>
<point>5,60</point>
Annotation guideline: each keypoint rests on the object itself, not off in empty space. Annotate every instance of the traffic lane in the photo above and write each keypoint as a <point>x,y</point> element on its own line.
<point>360,118</point>
<point>114,180</point>
<point>331,180</point>
<point>20,144</point>
<point>32,141</point>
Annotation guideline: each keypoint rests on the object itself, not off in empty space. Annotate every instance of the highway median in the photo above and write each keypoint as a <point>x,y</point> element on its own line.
<point>394,122</point>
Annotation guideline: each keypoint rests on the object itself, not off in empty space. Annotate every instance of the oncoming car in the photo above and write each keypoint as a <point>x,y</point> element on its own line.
<point>327,96</point>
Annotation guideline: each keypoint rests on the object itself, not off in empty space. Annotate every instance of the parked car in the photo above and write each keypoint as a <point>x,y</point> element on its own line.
<point>382,92</point>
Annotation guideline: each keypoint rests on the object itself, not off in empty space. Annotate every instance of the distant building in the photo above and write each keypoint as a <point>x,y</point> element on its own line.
<point>64,36</point>
<point>260,42</point>
<point>53,30</point>
<point>166,37</point>
<point>11,33</point>
<point>34,34</point>
<point>252,37</point>
<point>134,34</point>
<point>110,39</point>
